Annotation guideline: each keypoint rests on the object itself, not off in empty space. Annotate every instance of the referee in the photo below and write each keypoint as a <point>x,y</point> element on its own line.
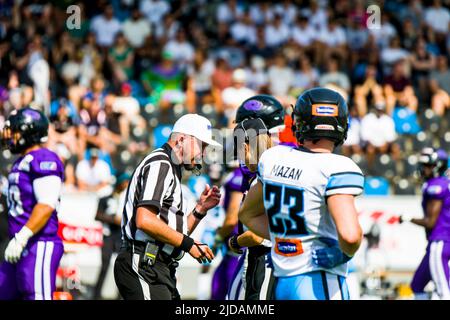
<point>155,224</point>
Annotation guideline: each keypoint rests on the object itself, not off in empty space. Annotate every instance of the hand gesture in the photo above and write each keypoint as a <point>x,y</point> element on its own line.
<point>209,198</point>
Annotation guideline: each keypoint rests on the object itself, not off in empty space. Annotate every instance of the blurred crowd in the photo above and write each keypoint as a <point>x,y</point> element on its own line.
<point>112,77</point>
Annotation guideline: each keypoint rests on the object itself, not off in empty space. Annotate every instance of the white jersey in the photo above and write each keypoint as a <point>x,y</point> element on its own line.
<point>296,183</point>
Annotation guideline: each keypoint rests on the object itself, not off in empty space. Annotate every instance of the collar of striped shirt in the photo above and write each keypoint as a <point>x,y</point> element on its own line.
<point>168,150</point>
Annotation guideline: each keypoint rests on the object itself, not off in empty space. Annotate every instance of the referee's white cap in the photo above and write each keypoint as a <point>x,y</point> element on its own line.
<point>196,126</point>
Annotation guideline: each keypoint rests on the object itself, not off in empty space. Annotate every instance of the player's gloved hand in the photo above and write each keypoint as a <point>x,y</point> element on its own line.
<point>330,256</point>
<point>404,218</point>
<point>16,245</point>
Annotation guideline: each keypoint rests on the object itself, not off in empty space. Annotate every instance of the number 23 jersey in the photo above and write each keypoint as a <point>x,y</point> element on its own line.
<point>296,183</point>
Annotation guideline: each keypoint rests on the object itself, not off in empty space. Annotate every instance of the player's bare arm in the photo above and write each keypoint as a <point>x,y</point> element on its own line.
<point>433,209</point>
<point>343,211</point>
<point>252,213</point>
<point>231,217</point>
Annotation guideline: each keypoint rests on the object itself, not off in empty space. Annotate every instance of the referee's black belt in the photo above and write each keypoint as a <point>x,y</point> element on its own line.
<point>139,248</point>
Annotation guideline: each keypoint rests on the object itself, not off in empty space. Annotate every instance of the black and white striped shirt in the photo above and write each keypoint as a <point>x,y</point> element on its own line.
<point>155,182</point>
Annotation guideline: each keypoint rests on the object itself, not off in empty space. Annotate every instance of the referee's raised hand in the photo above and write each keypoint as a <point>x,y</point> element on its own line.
<point>209,198</point>
<point>201,252</point>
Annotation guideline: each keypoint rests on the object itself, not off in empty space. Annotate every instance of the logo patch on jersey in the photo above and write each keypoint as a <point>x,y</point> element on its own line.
<point>325,110</point>
<point>434,190</point>
<point>288,247</point>
<point>48,165</point>
<point>324,127</point>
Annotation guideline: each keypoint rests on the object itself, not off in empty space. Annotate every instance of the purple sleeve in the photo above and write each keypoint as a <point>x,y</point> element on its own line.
<point>235,181</point>
<point>437,188</point>
<point>46,163</point>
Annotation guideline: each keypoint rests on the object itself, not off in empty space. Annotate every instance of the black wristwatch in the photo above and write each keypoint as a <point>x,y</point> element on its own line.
<point>198,215</point>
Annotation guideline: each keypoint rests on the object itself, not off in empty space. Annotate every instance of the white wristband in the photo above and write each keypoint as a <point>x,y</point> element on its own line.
<point>266,243</point>
<point>24,235</point>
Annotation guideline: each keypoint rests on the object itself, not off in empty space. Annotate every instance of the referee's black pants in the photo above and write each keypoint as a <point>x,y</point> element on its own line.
<point>134,282</point>
<point>256,277</point>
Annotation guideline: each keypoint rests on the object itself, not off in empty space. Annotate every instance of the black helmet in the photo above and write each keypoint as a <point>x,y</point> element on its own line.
<point>264,107</point>
<point>24,128</point>
<point>436,159</point>
<point>321,113</point>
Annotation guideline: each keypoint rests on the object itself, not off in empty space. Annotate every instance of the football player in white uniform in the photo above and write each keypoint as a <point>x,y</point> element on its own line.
<point>304,201</point>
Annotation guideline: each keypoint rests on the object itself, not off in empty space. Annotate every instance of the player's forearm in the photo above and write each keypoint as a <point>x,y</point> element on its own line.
<point>350,246</point>
<point>147,221</point>
<point>424,222</point>
<point>39,217</point>
<point>249,239</point>
<point>257,224</point>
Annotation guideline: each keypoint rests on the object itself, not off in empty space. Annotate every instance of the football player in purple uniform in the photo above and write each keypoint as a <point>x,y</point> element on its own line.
<point>436,221</point>
<point>35,181</point>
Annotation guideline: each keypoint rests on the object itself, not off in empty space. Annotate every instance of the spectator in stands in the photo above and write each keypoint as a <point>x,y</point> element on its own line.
<point>243,31</point>
<point>384,33</point>
<point>391,54</point>
<point>318,18</point>
<point>94,175</point>
<point>422,63</point>
<point>181,49</point>
<point>92,120</point>
<point>369,87</point>
<point>440,86</point>
<point>276,32</point>
<point>121,60</point>
<point>62,136</point>
<point>287,10</point>
<point>105,27</point>
<point>280,76</point>
<point>306,77</point>
<point>352,144</point>
<point>398,89</point>
<point>233,96</point>
<point>229,11</point>
<point>438,18</point>
<point>166,30</point>
<point>334,78</point>
<point>199,81</point>
<point>262,13</point>
<point>378,134</point>
<point>165,82</point>
<point>332,41</point>
<point>154,10</point>
<point>97,92</point>
<point>257,78</point>
<point>303,34</point>
<point>136,29</point>
<point>221,78</point>
<point>413,11</point>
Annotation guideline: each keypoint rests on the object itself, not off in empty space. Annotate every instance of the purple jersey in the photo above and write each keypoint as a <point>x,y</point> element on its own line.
<point>233,183</point>
<point>21,198</point>
<point>438,188</point>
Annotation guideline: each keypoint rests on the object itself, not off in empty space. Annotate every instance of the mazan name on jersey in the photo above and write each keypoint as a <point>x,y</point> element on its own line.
<point>286,172</point>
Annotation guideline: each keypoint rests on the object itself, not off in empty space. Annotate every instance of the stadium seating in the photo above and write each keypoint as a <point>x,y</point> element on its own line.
<point>160,135</point>
<point>376,186</point>
<point>404,186</point>
<point>405,121</point>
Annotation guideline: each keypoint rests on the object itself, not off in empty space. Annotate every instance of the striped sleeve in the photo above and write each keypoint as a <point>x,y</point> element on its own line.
<point>350,182</point>
<point>157,177</point>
